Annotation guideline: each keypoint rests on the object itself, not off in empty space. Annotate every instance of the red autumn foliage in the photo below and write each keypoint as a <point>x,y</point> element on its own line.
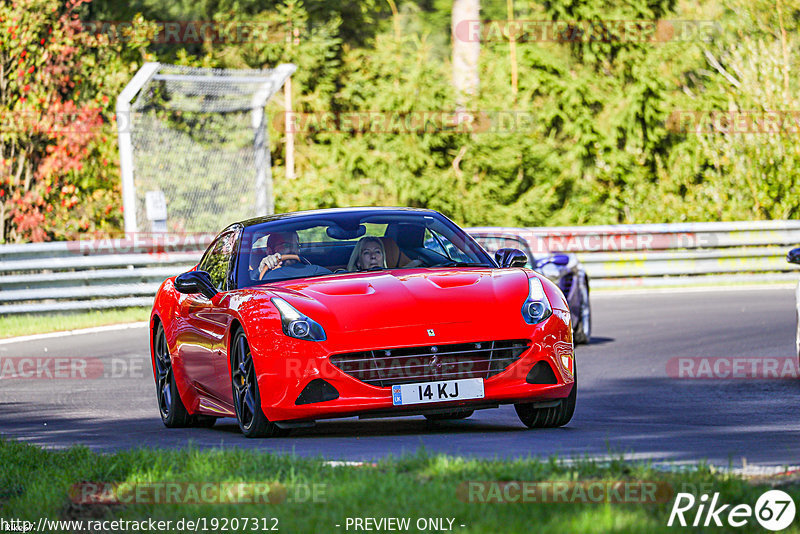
<point>54,132</point>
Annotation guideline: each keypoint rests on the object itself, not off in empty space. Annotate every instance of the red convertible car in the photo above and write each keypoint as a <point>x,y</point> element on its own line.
<point>373,312</point>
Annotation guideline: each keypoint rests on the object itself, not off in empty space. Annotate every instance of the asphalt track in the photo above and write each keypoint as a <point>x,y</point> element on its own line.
<point>627,402</point>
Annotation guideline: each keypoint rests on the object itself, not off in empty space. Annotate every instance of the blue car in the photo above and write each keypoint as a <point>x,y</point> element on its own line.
<point>563,269</point>
<point>794,257</point>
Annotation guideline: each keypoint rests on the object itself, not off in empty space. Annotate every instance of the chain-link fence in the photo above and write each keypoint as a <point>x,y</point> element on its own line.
<point>199,147</point>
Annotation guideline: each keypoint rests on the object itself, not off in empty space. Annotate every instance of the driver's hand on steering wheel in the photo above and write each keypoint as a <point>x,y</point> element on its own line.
<point>270,262</point>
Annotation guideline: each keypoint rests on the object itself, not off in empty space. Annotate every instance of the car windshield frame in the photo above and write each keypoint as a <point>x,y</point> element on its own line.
<point>346,234</point>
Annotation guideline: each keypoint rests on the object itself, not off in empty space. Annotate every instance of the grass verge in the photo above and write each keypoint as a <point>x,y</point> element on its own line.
<point>316,496</point>
<point>27,324</point>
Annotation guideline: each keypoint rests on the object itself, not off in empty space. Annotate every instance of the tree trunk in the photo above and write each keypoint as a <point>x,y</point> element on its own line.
<point>466,48</point>
<point>2,222</point>
<point>512,50</point>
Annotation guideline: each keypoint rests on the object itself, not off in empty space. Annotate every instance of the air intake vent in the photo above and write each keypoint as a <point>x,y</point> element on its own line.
<point>317,391</point>
<point>541,373</point>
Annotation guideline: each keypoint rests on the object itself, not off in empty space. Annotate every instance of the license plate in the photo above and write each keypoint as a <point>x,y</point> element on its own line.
<point>448,390</point>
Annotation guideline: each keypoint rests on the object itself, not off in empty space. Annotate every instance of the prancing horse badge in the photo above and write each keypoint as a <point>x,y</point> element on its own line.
<point>431,333</point>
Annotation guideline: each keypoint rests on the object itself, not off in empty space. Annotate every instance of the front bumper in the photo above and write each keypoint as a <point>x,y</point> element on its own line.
<point>284,371</point>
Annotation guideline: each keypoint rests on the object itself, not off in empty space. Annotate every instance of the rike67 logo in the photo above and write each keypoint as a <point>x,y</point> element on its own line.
<point>774,510</point>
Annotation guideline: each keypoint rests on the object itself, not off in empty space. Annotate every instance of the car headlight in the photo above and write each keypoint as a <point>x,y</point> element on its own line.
<point>536,308</point>
<point>297,325</point>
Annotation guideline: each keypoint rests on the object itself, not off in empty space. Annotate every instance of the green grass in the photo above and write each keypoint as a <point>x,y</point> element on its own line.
<point>27,324</point>
<point>36,483</point>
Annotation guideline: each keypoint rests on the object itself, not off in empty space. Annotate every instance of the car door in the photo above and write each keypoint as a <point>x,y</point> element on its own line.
<point>202,341</point>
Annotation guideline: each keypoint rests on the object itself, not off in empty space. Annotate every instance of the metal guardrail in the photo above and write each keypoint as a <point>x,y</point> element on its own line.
<point>79,275</point>
<point>92,274</point>
<point>670,254</point>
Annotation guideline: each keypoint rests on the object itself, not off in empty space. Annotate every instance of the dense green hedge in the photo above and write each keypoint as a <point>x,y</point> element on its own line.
<point>607,136</point>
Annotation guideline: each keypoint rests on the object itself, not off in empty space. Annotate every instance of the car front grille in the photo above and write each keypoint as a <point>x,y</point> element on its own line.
<point>566,282</point>
<point>388,367</point>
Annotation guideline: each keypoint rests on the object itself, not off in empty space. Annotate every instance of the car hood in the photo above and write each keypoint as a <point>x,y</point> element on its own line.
<point>403,298</point>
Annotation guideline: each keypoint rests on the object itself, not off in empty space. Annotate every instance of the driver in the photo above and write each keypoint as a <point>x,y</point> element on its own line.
<point>368,254</point>
<point>283,259</point>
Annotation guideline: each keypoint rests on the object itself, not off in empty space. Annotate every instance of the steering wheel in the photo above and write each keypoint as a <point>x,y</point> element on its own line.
<point>295,257</point>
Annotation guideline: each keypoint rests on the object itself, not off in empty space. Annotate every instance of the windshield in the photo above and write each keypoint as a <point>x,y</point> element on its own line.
<point>337,243</point>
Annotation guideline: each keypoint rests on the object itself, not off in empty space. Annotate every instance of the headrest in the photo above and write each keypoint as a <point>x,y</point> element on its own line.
<point>394,256</point>
<point>407,235</point>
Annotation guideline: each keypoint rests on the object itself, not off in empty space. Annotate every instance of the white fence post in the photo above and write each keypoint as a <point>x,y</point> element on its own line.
<point>126,146</point>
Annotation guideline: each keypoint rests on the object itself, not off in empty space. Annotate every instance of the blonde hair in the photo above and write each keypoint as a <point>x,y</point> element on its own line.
<point>355,256</point>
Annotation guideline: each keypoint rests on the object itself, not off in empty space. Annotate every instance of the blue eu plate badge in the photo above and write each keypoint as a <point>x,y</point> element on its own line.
<point>397,397</point>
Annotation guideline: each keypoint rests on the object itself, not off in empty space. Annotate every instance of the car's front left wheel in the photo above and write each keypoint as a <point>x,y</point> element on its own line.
<point>246,396</point>
<point>533,416</point>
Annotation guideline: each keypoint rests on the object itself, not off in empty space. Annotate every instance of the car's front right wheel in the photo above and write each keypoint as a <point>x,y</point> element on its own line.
<point>246,396</point>
<point>533,416</point>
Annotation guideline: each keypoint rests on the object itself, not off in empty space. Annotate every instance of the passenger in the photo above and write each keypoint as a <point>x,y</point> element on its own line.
<point>277,264</point>
<point>368,254</point>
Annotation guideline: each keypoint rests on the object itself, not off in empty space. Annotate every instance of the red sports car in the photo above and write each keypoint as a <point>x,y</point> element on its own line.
<point>372,312</point>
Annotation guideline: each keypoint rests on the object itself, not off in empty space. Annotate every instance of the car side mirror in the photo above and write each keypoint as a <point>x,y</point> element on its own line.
<point>510,257</point>
<point>195,282</point>
<point>794,255</point>
<point>560,259</point>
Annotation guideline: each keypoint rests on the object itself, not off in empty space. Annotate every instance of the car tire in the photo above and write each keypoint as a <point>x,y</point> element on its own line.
<point>246,396</point>
<point>170,406</point>
<point>550,417</point>
<point>449,415</point>
<point>583,330</point>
